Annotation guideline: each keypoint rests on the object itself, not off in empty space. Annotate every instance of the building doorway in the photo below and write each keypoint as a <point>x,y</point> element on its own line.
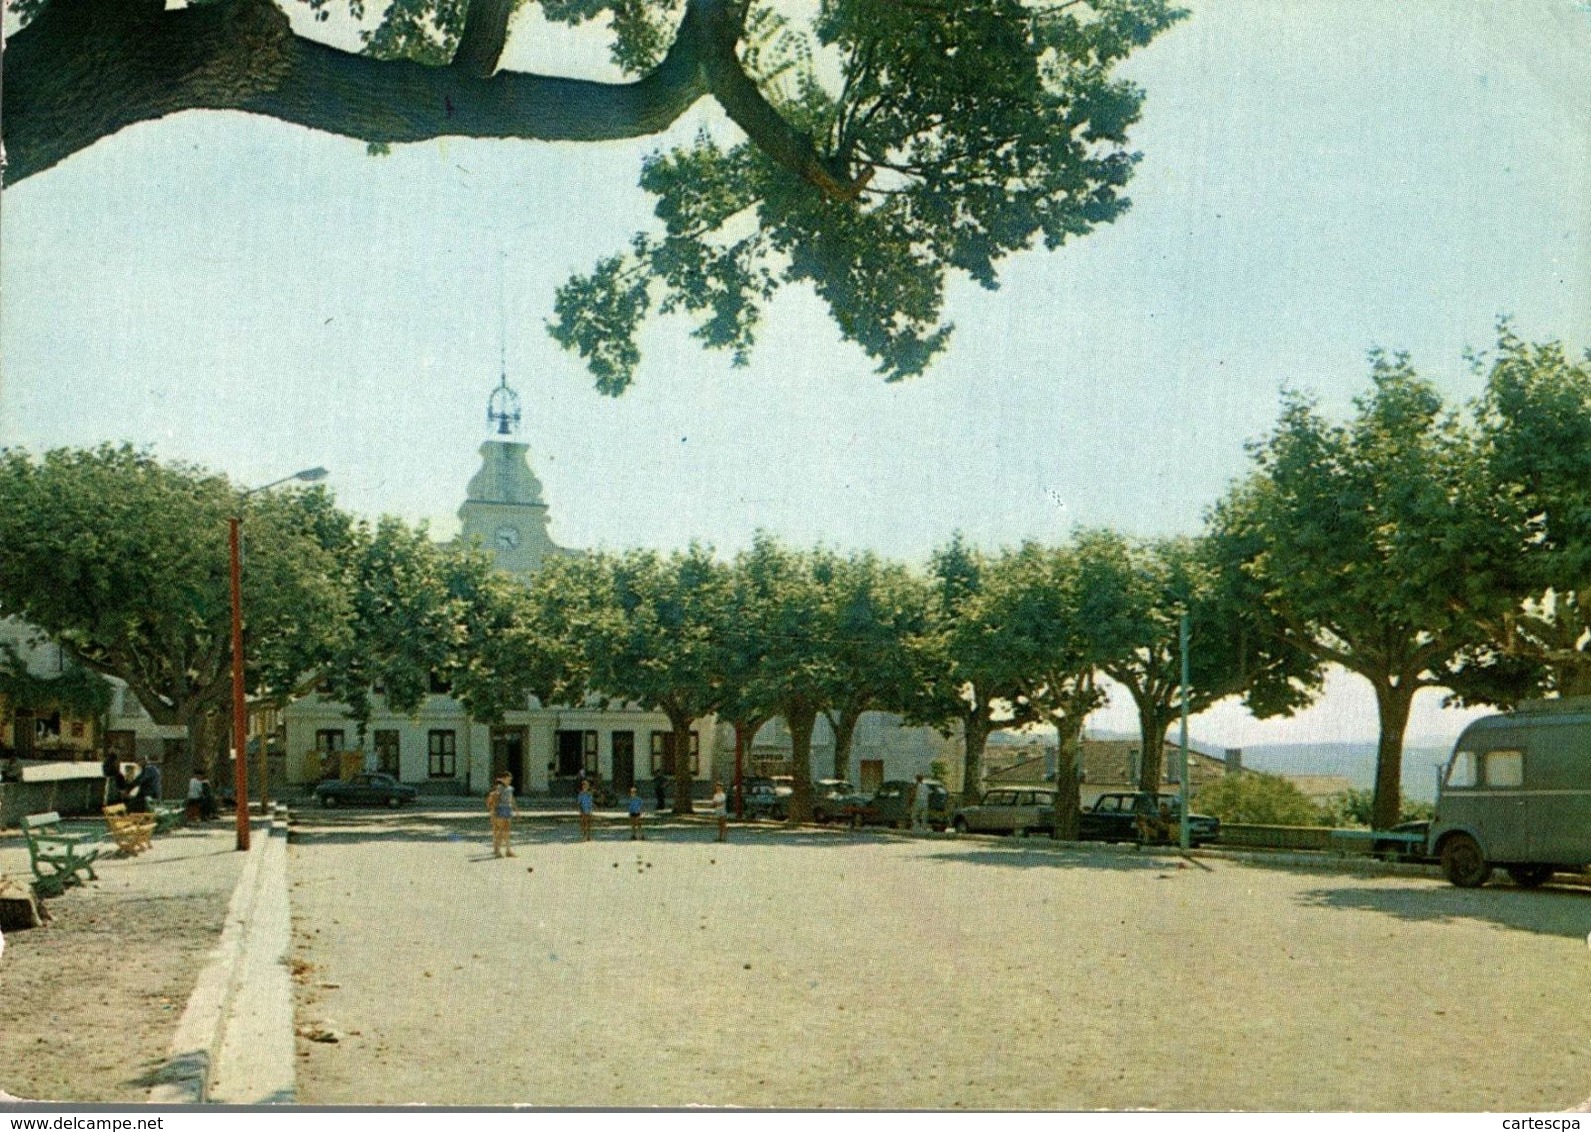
<point>508,755</point>
<point>623,761</point>
<point>389,753</point>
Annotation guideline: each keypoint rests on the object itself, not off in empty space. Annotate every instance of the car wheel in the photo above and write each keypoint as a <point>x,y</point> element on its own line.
<point>961,825</point>
<point>1529,876</point>
<point>329,801</point>
<point>393,801</point>
<point>1463,863</point>
<point>820,817</point>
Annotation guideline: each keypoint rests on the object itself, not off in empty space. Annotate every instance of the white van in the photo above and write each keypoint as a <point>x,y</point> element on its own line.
<point>1517,793</point>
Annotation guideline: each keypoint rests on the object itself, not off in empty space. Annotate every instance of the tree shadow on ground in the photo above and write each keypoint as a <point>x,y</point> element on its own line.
<point>1045,854</point>
<point>1561,909</point>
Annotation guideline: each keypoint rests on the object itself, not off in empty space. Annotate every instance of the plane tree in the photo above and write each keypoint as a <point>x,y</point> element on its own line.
<point>1133,597</point>
<point>785,610</point>
<point>654,630</point>
<point>124,561</point>
<point>971,676</point>
<point>1529,524</point>
<point>880,147</point>
<point>880,612</point>
<point>1355,538</point>
<point>1035,595</point>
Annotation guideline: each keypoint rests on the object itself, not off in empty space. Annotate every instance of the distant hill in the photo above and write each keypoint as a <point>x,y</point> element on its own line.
<point>1354,761</point>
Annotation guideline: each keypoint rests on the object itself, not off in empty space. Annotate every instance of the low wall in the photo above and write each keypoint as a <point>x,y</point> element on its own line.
<point>1275,836</point>
<point>68,797</point>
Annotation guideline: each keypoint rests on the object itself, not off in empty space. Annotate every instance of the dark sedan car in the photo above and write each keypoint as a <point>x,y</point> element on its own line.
<point>365,790</point>
<point>891,805</point>
<point>1135,817</point>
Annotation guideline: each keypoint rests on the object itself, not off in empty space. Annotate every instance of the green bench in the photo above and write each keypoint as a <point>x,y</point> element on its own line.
<point>58,858</point>
<point>167,818</point>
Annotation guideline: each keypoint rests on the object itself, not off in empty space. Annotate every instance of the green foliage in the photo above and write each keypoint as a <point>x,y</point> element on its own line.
<point>1356,808</point>
<point>75,692</point>
<point>1256,799</point>
<point>651,629</point>
<point>1531,532</point>
<point>123,560</point>
<point>1358,540</point>
<point>1133,596</point>
<point>962,137</point>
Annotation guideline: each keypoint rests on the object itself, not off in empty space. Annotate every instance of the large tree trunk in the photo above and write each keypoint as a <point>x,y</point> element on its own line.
<point>1393,701</point>
<point>1153,719</point>
<point>801,716</point>
<point>684,782</point>
<point>200,752</point>
<point>975,730</point>
<point>1068,798</point>
<point>843,725</point>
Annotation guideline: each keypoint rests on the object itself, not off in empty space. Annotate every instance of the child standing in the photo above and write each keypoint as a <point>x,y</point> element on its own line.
<point>634,805</point>
<point>585,802</point>
<point>500,804</point>
<point>721,810</point>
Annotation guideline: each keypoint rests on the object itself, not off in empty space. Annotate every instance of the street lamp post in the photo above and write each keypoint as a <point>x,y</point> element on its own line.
<point>239,709</point>
<point>1182,641</point>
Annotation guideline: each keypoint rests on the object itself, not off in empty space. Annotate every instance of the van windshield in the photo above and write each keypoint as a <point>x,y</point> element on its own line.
<point>1461,771</point>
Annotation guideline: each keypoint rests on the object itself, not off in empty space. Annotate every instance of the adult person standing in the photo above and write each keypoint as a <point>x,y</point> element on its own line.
<point>500,805</point>
<point>920,805</point>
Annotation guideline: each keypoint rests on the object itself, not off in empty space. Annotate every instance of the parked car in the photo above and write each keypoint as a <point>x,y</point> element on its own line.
<point>1401,850</point>
<point>365,790</point>
<point>830,799</point>
<point>766,797</point>
<point>1009,809</point>
<point>891,805</point>
<point>1116,817</point>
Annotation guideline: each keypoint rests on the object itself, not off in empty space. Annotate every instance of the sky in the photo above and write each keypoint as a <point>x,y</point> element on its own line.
<point>1318,178</point>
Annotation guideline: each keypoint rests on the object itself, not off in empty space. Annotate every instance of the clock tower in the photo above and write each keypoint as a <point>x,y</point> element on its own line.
<point>503,508</point>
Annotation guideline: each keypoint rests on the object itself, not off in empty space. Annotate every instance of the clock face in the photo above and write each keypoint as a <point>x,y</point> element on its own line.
<point>507,537</point>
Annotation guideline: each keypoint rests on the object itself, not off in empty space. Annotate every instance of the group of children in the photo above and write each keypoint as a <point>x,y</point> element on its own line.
<point>500,805</point>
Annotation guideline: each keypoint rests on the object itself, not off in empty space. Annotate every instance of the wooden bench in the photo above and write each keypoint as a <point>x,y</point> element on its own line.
<point>58,858</point>
<point>131,832</point>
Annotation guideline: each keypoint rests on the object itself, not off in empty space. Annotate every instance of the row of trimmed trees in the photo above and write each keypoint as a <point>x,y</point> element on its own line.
<point>1413,545</point>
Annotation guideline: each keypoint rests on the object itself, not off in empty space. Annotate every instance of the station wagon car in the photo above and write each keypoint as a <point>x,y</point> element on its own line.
<point>1008,809</point>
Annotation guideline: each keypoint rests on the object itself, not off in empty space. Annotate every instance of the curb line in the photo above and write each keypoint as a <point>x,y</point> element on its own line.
<point>197,1048</point>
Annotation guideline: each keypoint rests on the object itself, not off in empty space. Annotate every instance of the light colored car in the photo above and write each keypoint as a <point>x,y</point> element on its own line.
<point>1008,809</point>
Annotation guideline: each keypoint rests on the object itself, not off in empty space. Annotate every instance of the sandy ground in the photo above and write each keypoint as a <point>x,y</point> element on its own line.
<point>829,969</point>
<point>89,1002</point>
